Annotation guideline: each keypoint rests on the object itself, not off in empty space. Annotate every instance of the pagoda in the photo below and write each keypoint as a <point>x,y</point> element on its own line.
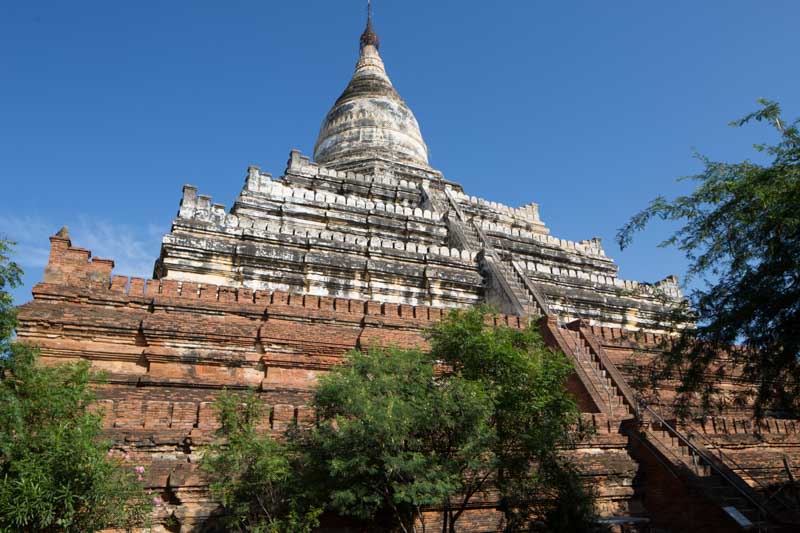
<point>365,242</point>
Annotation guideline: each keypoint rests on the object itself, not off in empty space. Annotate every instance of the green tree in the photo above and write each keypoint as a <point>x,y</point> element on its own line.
<point>402,433</point>
<point>10,277</point>
<point>393,438</point>
<point>533,418</point>
<point>740,230</point>
<point>253,475</point>
<point>56,474</point>
<point>486,410</point>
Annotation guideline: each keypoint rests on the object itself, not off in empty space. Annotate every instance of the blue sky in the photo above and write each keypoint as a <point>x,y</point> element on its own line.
<point>588,108</point>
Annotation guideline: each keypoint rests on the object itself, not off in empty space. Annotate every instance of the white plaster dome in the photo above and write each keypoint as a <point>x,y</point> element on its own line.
<point>370,120</point>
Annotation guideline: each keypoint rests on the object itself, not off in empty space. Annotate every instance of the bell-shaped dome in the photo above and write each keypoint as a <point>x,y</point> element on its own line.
<point>370,120</point>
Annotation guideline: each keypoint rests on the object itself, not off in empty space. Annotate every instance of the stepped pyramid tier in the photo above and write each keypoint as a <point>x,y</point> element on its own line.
<point>417,240</point>
<point>369,244</point>
<point>370,121</point>
<point>370,219</point>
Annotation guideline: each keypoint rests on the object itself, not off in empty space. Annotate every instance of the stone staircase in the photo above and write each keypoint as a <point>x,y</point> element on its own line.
<point>526,296</point>
<point>472,237</point>
<point>612,394</point>
<point>594,368</point>
<point>682,453</point>
<point>521,297</point>
<point>526,299</point>
<point>710,478</point>
<point>685,455</point>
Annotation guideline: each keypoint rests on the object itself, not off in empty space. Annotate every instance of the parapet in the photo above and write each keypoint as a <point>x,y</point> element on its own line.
<point>68,264</point>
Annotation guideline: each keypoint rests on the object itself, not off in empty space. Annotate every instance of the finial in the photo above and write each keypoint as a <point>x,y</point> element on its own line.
<point>63,233</point>
<point>369,36</point>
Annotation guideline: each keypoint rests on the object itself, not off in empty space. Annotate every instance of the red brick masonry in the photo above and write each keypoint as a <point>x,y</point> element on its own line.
<point>168,347</point>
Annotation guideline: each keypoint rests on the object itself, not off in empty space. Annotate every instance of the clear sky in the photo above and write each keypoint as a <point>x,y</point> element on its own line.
<point>589,108</point>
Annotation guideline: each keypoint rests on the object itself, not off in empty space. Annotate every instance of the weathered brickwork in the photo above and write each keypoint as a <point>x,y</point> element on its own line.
<point>368,245</point>
<point>761,459</point>
<point>167,348</point>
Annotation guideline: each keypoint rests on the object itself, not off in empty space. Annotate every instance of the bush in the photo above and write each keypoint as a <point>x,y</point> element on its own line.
<point>56,473</point>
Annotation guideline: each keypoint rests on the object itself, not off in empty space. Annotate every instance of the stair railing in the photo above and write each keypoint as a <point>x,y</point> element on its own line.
<point>616,377</point>
<point>542,302</point>
<point>707,460</point>
<point>580,352</point>
<point>538,299</point>
<point>725,458</point>
<point>455,206</point>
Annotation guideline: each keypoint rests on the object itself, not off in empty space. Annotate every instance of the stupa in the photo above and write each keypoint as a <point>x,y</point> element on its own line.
<point>365,242</point>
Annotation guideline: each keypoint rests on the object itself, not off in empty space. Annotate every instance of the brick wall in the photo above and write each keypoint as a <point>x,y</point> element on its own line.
<point>169,347</point>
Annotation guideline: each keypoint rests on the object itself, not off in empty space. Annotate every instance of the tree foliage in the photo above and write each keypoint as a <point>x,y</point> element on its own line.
<point>10,277</point>
<point>393,438</point>
<point>401,434</point>
<point>533,418</point>
<point>56,473</point>
<point>253,475</point>
<point>740,230</point>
